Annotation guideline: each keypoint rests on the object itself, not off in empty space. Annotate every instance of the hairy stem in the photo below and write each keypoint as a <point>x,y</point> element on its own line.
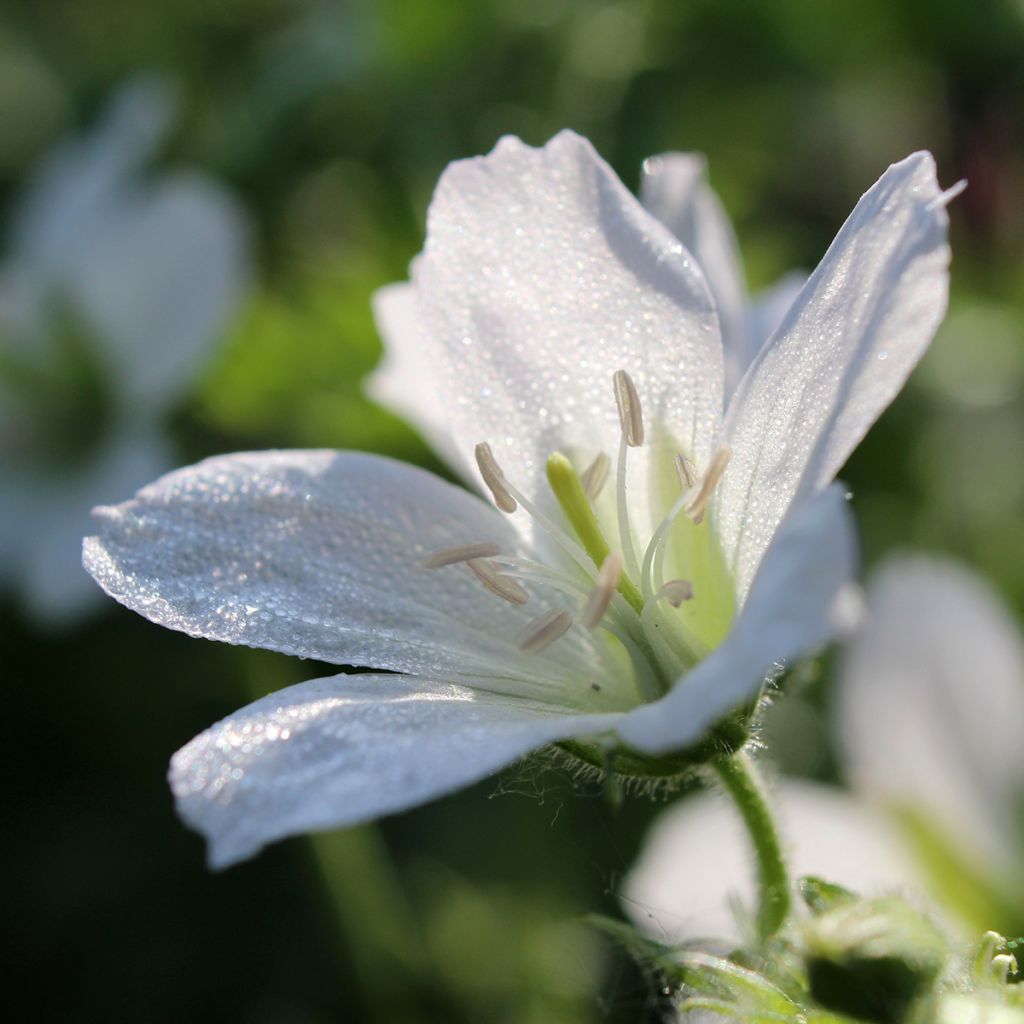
<point>740,779</point>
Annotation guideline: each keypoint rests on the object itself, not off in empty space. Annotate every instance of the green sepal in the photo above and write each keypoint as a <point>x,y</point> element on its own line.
<point>821,896</point>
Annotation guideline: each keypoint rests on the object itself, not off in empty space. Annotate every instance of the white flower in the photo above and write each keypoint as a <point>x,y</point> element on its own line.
<point>542,280</point>
<point>111,292</point>
<point>930,713</point>
<point>930,718</point>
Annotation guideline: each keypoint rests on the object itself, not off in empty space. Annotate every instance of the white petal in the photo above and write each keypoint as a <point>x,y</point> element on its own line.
<point>404,380</point>
<point>335,752</point>
<point>159,282</point>
<point>675,189</point>
<point>541,277</point>
<point>83,180</point>
<point>840,356</point>
<point>931,706</point>
<point>319,554</point>
<point>697,862</point>
<point>769,307</point>
<point>794,607</point>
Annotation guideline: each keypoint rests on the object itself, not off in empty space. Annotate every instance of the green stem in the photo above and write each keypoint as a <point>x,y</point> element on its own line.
<point>740,779</point>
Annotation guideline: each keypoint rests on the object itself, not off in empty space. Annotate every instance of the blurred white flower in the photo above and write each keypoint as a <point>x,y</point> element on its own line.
<point>642,613</point>
<point>930,715</point>
<point>930,718</point>
<point>112,290</point>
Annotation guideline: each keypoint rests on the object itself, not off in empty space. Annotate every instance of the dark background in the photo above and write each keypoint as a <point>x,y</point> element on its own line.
<point>331,123</point>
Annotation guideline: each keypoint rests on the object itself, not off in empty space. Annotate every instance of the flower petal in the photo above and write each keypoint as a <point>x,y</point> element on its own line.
<point>403,380</point>
<point>794,607</point>
<point>541,277</point>
<point>334,752</point>
<point>159,282</point>
<point>769,307</point>
<point>932,703</point>
<point>675,189</point>
<point>696,862</point>
<point>320,554</point>
<point>844,350</point>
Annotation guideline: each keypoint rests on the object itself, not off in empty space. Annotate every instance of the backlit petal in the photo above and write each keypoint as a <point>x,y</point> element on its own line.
<point>319,554</point>
<point>841,354</point>
<point>338,751</point>
<point>674,187</point>
<point>541,277</point>
<point>794,607</point>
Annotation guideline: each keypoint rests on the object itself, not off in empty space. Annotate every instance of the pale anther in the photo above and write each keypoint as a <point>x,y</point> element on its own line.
<point>630,414</point>
<point>695,510</point>
<point>602,594</point>
<point>676,592</point>
<point>543,631</point>
<point>594,476</point>
<point>462,553</point>
<point>496,583</point>
<point>687,473</point>
<point>493,477</point>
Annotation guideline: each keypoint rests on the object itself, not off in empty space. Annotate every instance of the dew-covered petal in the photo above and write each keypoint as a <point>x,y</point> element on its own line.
<point>319,554</point>
<point>696,866</point>
<point>674,187</point>
<point>338,751</point>
<point>404,380</point>
<point>540,278</point>
<point>768,308</point>
<point>931,703</point>
<point>159,283</point>
<point>799,599</point>
<point>841,354</point>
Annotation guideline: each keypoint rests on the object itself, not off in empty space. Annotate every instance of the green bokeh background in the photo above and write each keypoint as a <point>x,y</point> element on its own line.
<point>331,123</point>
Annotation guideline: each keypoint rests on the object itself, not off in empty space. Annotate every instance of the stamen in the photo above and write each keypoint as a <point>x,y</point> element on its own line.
<point>676,592</point>
<point>462,553</point>
<point>695,510</point>
<point>543,631</point>
<point>601,597</point>
<point>594,476</point>
<point>630,414</point>
<point>687,473</point>
<point>494,478</point>
<point>496,583</point>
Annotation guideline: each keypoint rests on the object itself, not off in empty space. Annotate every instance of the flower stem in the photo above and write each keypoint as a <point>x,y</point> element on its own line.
<point>739,777</point>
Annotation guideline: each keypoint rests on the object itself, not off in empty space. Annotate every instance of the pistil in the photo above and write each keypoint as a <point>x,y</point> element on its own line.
<point>568,489</point>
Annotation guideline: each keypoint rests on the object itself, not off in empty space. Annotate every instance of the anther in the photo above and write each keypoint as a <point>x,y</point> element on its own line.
<point>687,473</point>
<point>494,478</point>
<point>543,631</point>
<point>695,510</point>
<point>463,553</point>
<point>676,592</point>
<point>601,596</point>
<point>496,583</point>
<point>594,476</point>
<point>630,414</point>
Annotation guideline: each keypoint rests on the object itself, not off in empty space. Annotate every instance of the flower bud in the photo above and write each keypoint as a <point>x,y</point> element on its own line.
<point>872,959</point>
